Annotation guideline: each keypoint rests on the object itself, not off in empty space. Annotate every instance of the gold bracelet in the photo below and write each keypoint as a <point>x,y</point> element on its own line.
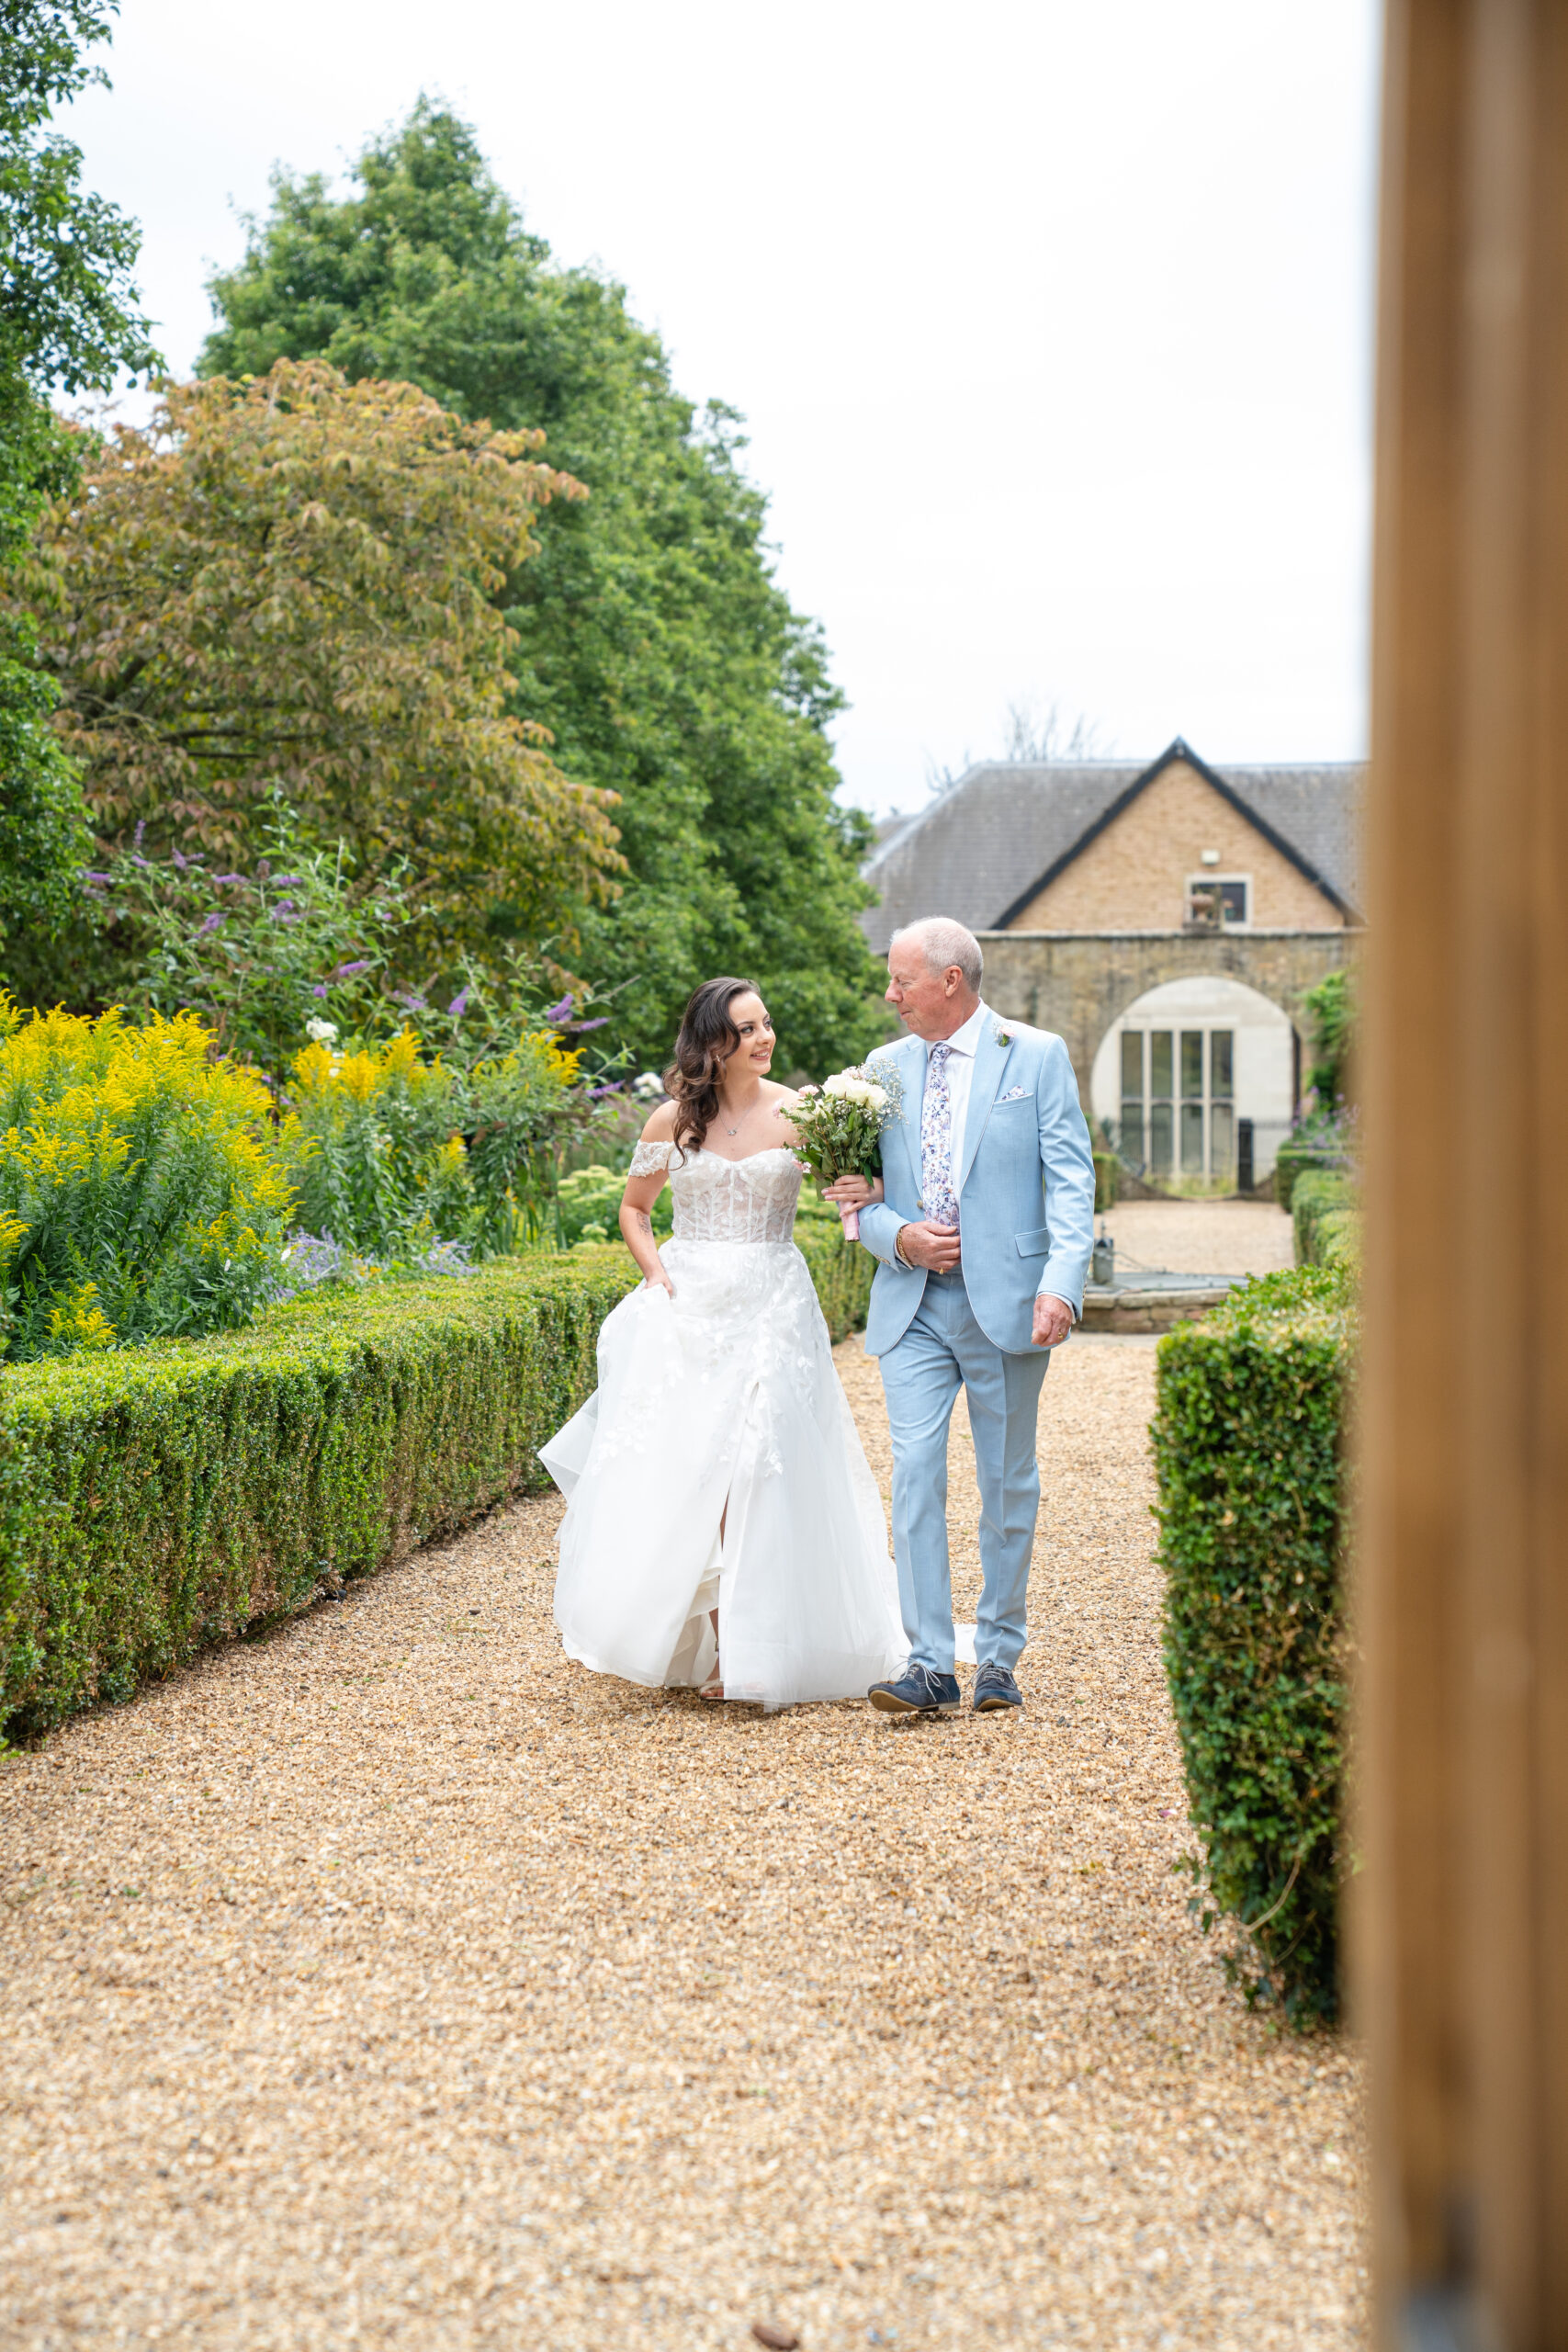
<point>898,1250</point>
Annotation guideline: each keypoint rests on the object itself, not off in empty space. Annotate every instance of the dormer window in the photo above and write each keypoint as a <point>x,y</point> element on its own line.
<point>1218,901</point>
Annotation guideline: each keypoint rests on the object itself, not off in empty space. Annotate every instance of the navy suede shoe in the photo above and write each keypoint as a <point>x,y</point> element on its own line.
<point>995,1689</point>
<point>917,1691</point>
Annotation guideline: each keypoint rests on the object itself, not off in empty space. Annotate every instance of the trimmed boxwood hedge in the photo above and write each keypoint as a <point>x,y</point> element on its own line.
<point>155,1500</point>
<point>842,1273</point>
<point>1296,1157</point>
<point>1247,1437</point>
<point>1325,1218</point>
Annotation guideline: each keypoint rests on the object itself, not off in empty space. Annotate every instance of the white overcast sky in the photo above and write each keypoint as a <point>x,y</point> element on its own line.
<point>1051,321</point>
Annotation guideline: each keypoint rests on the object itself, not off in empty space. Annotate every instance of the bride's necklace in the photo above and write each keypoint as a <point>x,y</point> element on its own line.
<point>739,1123</point>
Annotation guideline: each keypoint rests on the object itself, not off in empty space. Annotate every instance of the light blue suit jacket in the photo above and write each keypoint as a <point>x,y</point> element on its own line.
<point>1026,1187</point>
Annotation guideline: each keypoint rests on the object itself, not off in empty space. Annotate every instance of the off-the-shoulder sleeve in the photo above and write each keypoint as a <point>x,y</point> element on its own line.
<point>650,1159</point>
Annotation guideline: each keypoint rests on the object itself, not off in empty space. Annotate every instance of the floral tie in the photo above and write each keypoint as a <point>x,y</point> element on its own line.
<point>936,1141</point>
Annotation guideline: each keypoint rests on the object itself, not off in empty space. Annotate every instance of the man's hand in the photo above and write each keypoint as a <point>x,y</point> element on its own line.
<point>1053,1320</point>
<point>935,1246</point>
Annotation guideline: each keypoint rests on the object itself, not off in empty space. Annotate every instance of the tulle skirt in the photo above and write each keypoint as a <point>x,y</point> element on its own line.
<point>723,1405</point>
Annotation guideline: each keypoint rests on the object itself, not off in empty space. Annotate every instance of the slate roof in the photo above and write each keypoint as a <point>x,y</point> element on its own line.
<point>1006,827</point>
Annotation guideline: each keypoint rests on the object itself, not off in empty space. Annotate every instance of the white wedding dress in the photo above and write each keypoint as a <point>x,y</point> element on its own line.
<point>723,1403</point>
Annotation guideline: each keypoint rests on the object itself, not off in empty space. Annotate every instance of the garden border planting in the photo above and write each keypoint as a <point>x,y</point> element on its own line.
<point>1247,1437</point>
<point>156,1500</point>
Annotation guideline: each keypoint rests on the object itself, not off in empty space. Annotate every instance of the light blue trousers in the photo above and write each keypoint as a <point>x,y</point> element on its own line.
<point>944,1349</point>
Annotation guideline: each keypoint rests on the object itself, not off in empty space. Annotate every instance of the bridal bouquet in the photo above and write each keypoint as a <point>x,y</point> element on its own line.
<point>839,1126</point>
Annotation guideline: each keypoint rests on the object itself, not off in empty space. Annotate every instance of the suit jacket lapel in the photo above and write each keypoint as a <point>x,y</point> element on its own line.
<point>914,1077</point>
<point>990,1060</point>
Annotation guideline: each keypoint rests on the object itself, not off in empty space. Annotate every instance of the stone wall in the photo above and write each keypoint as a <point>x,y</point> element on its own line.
<point>1078,983</point>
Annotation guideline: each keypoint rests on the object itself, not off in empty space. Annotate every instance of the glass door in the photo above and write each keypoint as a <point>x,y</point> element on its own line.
<point>1193,1102</point>
<point>1222,1103</point>
<point>1134,1142</point>
<point>1162,1114</point>
<point>1178,1101</point>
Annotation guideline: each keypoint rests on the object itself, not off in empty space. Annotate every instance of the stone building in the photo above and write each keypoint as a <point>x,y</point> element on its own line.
<point>1167,920</point>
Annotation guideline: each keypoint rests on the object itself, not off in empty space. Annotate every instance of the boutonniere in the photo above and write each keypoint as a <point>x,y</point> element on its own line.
<point>1001,1036</point>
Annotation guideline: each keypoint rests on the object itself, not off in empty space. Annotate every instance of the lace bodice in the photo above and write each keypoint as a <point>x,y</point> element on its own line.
<point>727,1200</point>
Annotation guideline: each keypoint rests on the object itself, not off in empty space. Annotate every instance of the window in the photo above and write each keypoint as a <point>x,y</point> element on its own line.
<point>1178,1103</point>
<point>1218,901</point>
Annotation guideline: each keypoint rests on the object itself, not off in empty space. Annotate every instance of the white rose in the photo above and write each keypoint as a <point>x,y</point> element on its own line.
<point>836,1085</point>
<point>877,1097</point>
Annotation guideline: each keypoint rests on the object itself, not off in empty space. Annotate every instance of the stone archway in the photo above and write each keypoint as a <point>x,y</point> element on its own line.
<point>1180,1069</point>
<point>1081,983</point>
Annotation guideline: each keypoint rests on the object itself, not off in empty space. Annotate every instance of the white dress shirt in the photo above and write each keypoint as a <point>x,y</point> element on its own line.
<point>962,1046</point>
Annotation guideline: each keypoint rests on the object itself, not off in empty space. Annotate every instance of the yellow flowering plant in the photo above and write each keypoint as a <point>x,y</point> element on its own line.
<point>398,1149</point>
<point>144,1185</point>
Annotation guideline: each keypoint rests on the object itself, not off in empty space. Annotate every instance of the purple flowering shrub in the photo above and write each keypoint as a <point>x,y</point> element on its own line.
<point>257,954</point>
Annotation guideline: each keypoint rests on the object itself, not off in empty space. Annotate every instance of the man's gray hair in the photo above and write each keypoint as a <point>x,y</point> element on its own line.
<point>943,941</point>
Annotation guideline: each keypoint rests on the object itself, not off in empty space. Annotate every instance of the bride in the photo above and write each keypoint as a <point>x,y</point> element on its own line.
<point>719,1505</point>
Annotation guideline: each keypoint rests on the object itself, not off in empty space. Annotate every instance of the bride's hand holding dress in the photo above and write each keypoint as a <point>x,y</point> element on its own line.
<point>642,1190</point>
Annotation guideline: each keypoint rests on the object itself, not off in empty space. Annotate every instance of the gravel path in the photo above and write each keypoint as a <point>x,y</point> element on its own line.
<point>1201,1236</point>
<point>387,1982</point>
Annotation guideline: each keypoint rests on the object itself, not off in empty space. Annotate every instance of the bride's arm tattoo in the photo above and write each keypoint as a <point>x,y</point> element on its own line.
<point>643,1222</point>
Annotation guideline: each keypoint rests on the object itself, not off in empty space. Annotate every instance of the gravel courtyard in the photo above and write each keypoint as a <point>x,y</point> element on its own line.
<point>389,1982</point>
<point>1200,1236</point>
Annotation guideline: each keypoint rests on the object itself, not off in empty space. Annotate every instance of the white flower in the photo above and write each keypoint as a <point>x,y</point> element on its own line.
<point>647,1083</point>
<point>321,1032</point>
<point>876,1096</point>
<point>838,1084</point>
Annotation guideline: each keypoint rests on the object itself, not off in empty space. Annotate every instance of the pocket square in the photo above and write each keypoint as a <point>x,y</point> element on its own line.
<point>1013,1094</point>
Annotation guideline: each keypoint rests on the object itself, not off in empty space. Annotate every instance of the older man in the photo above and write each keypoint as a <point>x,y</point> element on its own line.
<point>983,1240</point>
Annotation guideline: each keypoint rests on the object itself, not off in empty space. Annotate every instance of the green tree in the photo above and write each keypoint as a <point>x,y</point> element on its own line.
<point>652,639</point>
<point>67,316</point>
<point>286,586</point>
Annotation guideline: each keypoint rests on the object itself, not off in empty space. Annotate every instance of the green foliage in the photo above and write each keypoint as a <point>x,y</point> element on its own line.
<point>1310,1147</point>
<point>1331,1008</point>
<point>142,1184</point>
<point>1107,1170</point>
<point>841,1272</point>
<point>44,840</point>
<point>67,316</point>
<point>1325,1218</point>
<point>1252,1406</point>
<point>155,1500</point>
<point>652,639</point>
<point>588,1203</point>
<point>256,955</point>
<point>286,585</point>
<point>65,254</point>
<point>152,1500</point>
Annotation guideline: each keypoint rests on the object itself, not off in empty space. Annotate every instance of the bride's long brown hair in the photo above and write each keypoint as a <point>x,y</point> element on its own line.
<point>706,1039</point>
